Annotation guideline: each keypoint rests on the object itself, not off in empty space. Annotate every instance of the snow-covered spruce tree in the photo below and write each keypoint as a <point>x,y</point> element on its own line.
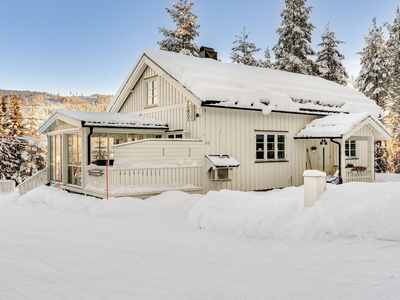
<point>244,51</point>
<point>181,39</point>
<point>293,50</point>
<point>329,59</point>
<point>16,155</point>
<point>393,63</point>
<point>372,80</point>
<point>266,63</point>
<point>392,120</point>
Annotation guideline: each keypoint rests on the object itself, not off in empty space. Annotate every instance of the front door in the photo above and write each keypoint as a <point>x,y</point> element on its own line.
<point>323,155</point>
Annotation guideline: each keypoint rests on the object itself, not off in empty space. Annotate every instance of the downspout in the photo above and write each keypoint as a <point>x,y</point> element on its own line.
<point>88,142</point>
<point>340,157</point>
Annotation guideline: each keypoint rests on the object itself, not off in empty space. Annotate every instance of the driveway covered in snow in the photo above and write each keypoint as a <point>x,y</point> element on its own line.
<point>55,245</point>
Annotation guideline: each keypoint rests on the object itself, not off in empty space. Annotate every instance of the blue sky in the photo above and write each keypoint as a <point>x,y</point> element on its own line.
<point>88,46</point>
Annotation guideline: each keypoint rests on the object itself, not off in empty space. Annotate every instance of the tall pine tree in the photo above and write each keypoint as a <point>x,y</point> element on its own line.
<point>181,39</point>
<point>373,75</point>
<point>244,51</point>
<point>393,58</point>
<point>329,59</point>
<point>293,50</point>
<point>392,120</point>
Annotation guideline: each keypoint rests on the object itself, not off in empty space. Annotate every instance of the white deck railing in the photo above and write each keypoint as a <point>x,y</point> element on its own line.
<point>33,182</point>
<point>353,175</point>
<point>130,181</point>
<point>7,186</point>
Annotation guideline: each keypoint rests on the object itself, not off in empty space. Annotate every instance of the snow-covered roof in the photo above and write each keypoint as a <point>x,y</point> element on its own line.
<point>336,126</point>
<point>239,86</point>
<point>99,119</point>
<point>223,161</point>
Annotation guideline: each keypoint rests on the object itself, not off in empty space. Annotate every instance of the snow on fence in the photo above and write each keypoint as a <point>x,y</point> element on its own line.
<point>125,181</point>
<point>33,182</point>
<point>7,186</point>
<point>358,174</point>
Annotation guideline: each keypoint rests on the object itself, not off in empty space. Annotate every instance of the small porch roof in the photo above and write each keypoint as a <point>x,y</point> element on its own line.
<point>222,161</point>
<point>343,126</point>
<point>101,119</point>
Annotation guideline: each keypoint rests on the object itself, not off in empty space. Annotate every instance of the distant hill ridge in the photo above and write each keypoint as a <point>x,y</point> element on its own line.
<point>44,103</point>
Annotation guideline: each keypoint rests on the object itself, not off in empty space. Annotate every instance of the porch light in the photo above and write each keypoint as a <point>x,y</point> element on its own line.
<point>313,149</point>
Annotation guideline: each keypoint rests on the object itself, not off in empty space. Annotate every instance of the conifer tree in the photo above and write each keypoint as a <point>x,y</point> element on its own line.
<point>393,62</point>
<point>266,63</point>
<point>329,59</point>
<point>373,75</point>
<point>16,118</point>
<point>181,39</point>
<point>392,120</point>
<point>3,116</point>
<point>293,49</point>
<point>244,51</point>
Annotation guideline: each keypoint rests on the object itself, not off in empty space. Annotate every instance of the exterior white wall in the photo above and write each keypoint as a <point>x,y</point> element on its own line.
<point>137,99</point>
<point>233,132</point>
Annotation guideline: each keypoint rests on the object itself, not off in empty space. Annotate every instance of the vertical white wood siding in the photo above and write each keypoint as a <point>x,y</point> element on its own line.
<point>232,132</point>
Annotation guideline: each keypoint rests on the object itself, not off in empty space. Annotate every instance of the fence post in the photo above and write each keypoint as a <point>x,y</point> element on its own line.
<point>314,186</point>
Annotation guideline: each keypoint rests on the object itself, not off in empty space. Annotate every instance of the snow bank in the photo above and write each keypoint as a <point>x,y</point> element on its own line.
<point>362,210</point>
<point>168,202</point>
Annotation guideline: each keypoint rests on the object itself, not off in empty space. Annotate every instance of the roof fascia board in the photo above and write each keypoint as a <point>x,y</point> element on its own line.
<point>369,122</point>
<point>130,83</point>
<point>46,126</point>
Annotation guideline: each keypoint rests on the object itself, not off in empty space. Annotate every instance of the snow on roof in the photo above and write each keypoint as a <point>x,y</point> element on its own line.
<point>334,126</point>
<point>223,161</point>
<point>106,119</point>
<point>235,85</point>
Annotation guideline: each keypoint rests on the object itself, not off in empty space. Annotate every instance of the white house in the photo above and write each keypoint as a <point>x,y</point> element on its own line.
<point>196,124</point>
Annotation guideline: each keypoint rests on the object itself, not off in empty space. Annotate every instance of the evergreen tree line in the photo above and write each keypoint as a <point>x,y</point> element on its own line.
<point>293,52</point>
<point>379,78</point>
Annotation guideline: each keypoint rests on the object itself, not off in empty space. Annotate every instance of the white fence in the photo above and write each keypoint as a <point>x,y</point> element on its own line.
<point>7,186</point>
<point>354,175</point>
<point>33,182</point>
<point>125,181</point>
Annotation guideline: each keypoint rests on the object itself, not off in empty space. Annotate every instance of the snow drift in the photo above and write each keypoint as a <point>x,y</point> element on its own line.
<point>173,202</point>
<point>362,210</point>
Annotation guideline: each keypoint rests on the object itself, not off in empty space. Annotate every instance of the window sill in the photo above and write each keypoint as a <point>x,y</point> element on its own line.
<point>151,106</point>
<point>351,158</point>
<point>270,161</point>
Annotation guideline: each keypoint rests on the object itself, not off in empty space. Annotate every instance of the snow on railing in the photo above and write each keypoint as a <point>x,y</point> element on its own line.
<point>129,181</point>
<point>33,182</point>
<point>358,174</point>
<point>7,186</point>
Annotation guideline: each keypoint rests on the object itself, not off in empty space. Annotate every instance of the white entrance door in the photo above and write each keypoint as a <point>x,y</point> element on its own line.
<point>323,155</point>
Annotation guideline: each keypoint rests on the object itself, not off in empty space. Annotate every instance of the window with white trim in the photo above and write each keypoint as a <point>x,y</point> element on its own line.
<point>152,92</point>
<point>350,149</point>
<point>270,146</point>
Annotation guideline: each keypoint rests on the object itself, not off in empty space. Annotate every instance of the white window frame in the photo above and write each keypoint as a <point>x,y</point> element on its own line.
<point>151,91</point>
<point>262,146</point>
<point>348,150</point>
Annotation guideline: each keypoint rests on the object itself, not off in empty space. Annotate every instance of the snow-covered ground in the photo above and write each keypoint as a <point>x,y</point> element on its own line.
<point>55,245</point>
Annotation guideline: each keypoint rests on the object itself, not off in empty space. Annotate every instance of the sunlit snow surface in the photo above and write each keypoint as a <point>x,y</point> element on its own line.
<point>55,245</point>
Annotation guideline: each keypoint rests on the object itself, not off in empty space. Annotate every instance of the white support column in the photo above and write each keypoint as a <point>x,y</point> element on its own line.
<point>371,157</point>
<point>343,159</point>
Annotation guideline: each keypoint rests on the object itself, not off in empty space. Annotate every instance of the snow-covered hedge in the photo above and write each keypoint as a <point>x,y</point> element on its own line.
<point>361,210</point>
